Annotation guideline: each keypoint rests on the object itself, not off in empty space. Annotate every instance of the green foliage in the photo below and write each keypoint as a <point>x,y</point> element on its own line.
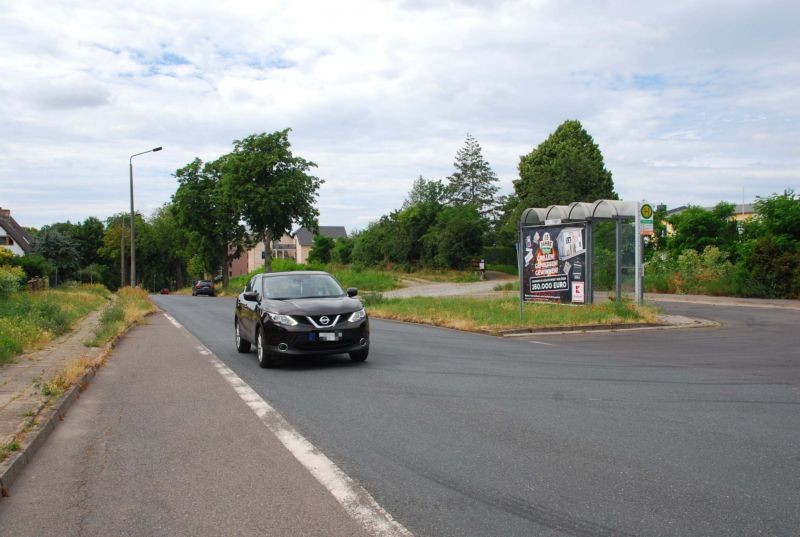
<point>35,266</point>
<point>30,319</point>
<point>769,269</point>
<point>11,278</point>
<point>321,249</point>
<point>60,250</point>
<point>696,228</point>
<point>206,209</point>
<point>473,182</point>
<point>427,192</point>
<point>271,186</point>
<point>500,255</point>
<point>342,249</point>
<point>455,238</point>
<point>566,167</point>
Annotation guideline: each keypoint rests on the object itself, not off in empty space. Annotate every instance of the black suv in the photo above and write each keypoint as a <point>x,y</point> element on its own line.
<point>203,287</point>
<point>300,313</point>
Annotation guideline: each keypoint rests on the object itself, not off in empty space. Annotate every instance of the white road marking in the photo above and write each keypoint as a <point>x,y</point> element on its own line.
<point>202,350</point>
<point>543,343</point>
<point>172,320</point>
<point>358,503</point>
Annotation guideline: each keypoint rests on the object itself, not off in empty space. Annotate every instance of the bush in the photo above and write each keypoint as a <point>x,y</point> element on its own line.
<point>11,278</point>
<point>500,255</point>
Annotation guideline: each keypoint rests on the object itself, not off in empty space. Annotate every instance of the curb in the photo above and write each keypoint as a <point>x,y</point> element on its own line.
<point>559,330</point>
<point>12,467</point>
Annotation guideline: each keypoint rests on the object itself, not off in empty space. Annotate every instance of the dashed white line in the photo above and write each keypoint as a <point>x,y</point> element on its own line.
<point>358,503</point>
<point>173,321</point>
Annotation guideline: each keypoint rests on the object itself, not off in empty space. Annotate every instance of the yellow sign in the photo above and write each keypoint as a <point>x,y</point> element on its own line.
<point>647,211</point>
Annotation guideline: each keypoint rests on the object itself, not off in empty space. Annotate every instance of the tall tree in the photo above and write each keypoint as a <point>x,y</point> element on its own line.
<point>566,167</point>
<point>473,181</point>
<point>205,206</point>
<point>272,187</point>
<point>425,191</point>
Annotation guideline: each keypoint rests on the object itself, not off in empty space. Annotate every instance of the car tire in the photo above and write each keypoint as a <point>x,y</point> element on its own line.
<point>242,345</point>
<point>359,356</point>
<point>265,358</point>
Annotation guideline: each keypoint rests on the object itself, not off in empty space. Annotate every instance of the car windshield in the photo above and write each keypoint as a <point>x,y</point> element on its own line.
<point>301,286</point>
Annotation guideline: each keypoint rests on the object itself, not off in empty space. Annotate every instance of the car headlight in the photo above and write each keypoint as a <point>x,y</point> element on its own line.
<point>277,318</point>
<point>357,316</point>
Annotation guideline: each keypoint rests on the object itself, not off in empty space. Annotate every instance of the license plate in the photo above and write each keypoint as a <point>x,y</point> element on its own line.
<point>330,336</point>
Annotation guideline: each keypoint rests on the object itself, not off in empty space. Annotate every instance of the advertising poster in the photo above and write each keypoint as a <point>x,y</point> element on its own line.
<point>554,263</point>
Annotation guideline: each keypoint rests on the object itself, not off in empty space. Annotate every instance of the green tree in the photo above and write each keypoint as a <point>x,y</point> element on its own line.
<point>272,187</point>
<point>473,181</point>
<point>696,227</point>
<point>427,192</point>
<point>321,250</point>
<point>89,238</point>
<point>567,167</point>
<point>455,238</point>
<point>60,250</point>
<point>206,207</point>
<point>342,250</point>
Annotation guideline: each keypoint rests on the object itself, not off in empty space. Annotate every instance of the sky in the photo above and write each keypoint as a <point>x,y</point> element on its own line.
<point>690,102</point>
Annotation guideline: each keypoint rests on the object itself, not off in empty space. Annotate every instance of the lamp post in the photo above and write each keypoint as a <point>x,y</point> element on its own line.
<point>133,227</point>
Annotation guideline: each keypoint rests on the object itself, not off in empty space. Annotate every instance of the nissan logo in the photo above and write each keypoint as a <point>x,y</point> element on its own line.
<point>324,320</point>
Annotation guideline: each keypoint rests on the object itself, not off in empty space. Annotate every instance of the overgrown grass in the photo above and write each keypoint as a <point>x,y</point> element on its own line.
<point>130,306</point>
<point>503,314</point>
<point>363,279</point>
<point>29,320</point>
<point>508,269</point>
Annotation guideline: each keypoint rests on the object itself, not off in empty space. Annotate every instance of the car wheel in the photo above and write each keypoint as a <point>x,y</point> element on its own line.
<point>359,356</point>
<point>242,345</point>
<point>265,358</point>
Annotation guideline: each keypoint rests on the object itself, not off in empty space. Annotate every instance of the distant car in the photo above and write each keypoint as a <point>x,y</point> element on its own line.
<point>203,287</point>
<point>165,291</point>
<point>290,314</point>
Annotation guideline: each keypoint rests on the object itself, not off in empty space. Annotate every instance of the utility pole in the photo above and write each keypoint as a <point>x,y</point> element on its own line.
<point>122,253</point>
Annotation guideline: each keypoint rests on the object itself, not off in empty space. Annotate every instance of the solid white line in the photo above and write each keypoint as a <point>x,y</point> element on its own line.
<point>358,503</point>
<point>172,320</point>
<point>543,343</point>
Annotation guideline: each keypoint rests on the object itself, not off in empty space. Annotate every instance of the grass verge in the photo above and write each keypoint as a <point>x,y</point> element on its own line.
<point>130,307</point>
<point>28,320</point>
<point>495,315</point>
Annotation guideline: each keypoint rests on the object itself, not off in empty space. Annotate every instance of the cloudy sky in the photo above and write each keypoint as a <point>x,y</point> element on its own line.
<point>690,102</point>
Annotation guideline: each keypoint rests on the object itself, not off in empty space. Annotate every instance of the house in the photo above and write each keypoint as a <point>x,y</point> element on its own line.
<point>12,236</point>
<point>296,245</point>
<point>742,212</point>
<point>304,239</point>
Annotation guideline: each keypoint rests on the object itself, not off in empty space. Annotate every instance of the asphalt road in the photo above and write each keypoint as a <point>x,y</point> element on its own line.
<point>674,432</point>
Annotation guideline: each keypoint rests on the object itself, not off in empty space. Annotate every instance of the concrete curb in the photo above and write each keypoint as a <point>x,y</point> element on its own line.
<point>12,467</point>
<point>697,323</point>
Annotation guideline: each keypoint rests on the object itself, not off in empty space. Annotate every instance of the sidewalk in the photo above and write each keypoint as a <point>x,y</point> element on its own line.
<point>159,444</point>
<point>21,397</point>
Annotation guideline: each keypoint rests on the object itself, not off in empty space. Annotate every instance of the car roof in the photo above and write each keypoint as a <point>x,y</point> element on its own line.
<point>297,273</point>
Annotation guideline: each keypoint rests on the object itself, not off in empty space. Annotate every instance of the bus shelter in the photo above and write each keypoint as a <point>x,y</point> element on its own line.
<point>556,249</point>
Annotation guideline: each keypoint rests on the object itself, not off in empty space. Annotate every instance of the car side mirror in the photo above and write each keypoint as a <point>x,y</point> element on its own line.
<point>250,296</point>
<point>352,291</point>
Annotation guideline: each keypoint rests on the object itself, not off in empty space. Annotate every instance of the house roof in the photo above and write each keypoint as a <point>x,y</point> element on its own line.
<point>739,208</point>
<point>15,231</point>
<point>306,237</point>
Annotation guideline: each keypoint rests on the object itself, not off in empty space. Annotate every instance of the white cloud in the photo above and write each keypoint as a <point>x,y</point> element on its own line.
<point>688,102</point>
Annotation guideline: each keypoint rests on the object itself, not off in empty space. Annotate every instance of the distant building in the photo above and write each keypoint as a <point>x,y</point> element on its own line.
<point>296,245</point>
<point>304,239</point>
<point>742,212</point>
<point>12,236</point>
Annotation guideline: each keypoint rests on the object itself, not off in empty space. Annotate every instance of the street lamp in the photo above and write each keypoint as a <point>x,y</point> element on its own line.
<point>133,227</point>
